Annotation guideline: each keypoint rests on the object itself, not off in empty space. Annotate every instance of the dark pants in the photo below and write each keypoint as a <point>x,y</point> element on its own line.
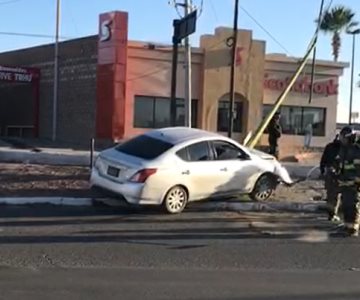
<point>273,148</point>
<point>350,204</point>
<point>332,194</point>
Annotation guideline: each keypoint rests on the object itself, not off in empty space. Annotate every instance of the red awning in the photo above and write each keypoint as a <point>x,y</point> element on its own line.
<point>18,74</point>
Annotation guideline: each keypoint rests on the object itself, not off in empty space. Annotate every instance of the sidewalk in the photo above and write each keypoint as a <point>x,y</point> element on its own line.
<point>45,156</point>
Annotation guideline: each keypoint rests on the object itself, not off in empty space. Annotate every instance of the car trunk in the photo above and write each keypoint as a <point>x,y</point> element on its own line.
<point>119,166</point>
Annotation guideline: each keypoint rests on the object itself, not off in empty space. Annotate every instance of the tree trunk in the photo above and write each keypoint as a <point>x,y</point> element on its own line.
<point>336,43</point>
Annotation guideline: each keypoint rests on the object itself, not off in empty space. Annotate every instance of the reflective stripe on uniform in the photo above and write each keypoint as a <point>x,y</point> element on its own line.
<point>349,167</point>
<point>346,183</point>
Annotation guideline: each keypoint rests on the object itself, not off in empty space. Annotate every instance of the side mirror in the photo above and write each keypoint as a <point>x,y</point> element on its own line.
<point>243,156</point>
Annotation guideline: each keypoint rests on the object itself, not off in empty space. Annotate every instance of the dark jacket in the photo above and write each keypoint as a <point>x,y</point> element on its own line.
<point>349,157</point>
<point>274,130</point>
<point>328,158</point>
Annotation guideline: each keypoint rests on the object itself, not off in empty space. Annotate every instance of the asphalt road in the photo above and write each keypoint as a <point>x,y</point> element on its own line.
<point>106,253</point>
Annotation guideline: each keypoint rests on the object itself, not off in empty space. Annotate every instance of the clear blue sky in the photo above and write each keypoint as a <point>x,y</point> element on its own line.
<point>290,22</point>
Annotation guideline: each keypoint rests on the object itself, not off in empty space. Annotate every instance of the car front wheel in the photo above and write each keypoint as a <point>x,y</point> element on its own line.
<point>175,200</point>
<point>264,188</point>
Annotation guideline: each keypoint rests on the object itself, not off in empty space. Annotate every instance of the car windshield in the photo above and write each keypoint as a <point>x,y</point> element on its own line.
<point>144,147</point>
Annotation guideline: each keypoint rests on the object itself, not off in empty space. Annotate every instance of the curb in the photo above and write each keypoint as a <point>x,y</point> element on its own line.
<point>48,158</point>
<point>60,201</point>
<point>47,200</point>
<point>309,207</point>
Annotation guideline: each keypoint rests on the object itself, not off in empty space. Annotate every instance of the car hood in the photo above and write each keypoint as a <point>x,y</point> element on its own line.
<point>261,154</point>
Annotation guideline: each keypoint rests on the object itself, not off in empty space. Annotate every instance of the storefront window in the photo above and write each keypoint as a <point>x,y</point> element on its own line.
<point>223,116</point>
<point>154,112</point>
<point>294,119</point>
<point>317,117</point>
<point>144,112</point>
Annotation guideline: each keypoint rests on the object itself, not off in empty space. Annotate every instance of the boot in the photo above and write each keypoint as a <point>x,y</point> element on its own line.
<point>352,232</point>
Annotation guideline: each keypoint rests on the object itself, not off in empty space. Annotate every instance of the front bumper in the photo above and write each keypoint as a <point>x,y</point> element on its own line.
<point>130,192</point>
<point>283,174</point>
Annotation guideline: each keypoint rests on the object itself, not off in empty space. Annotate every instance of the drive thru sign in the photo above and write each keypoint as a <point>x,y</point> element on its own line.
<point>17,74</point>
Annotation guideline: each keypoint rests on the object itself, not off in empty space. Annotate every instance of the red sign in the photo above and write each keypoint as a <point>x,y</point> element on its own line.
<point>326,87</point>
<point>238,55</point>
<point>111,85</point>
<point>16,74</point>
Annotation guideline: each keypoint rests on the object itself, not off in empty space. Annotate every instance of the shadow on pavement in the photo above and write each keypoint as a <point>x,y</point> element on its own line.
<point>172,234</point>
<point>314,296</point>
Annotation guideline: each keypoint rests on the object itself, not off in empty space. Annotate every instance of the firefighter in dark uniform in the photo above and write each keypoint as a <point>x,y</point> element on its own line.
<point>274,130</point>
<point>328,168</point>
<point>349,180</point>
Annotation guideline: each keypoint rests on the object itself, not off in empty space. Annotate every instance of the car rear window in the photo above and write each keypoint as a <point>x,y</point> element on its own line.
<point>144,147</point>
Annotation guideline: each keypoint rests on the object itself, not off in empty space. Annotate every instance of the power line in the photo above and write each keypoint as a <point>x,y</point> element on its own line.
<point>214,11</point>
<point>73,21</point>
<point>265,30</point>
<point>35,35</point>
<point>200,8</point>
<point>224,41</point>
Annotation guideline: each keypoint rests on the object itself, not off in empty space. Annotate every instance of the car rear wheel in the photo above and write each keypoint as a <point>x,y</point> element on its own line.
<point>264,188</point>
<point>175,200</point>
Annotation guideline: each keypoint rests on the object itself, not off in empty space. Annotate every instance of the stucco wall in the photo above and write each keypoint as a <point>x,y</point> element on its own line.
<point>149,74</point>
<point>249,76</point>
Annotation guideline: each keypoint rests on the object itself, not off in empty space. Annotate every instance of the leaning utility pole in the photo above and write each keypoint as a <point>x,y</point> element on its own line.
<point>56,71</point>
<point>254,139</point>
<point>314,51</point>
<point>354,33</point>
<point>187,60</point>
<point>232,73</point>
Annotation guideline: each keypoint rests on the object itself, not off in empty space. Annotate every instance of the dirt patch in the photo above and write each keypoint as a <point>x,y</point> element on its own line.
<point>305,191</point>
<point>24,180</point>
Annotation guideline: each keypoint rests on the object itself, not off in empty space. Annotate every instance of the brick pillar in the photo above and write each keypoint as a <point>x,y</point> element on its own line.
<point>111,75</point>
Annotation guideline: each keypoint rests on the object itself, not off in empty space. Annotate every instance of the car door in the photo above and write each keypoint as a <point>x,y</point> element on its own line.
<point>202,175</point>
<point>241,172</point>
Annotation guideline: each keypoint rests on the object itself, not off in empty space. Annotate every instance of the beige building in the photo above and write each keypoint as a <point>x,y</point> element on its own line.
<point>122,87</point>
<point>260,78</point>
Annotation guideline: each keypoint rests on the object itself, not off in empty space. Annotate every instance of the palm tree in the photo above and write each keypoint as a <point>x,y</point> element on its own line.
<point>336,21</point>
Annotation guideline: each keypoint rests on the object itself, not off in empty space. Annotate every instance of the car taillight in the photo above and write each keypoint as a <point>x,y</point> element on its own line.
<point>142,175</point>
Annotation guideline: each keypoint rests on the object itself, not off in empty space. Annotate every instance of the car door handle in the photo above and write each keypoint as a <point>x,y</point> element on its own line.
<point>187,172</point>
<point>223,170</point>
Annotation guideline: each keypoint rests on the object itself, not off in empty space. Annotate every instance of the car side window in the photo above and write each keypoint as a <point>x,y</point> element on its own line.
<point>195,152</point>
<point>183,154</point>
<point>226,151</point>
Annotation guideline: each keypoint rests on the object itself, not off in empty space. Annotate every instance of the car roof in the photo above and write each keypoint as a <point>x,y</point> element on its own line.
<point>177,135</point>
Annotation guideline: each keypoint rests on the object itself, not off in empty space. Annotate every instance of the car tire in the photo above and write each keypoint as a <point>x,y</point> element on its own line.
<point>264,188</point>
<point>175,200</point>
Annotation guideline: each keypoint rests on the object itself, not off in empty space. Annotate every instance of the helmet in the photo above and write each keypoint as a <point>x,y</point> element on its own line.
<point>346,132</point>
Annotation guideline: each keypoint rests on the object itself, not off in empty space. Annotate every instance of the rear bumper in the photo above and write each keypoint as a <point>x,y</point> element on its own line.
<point>130,192</point>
